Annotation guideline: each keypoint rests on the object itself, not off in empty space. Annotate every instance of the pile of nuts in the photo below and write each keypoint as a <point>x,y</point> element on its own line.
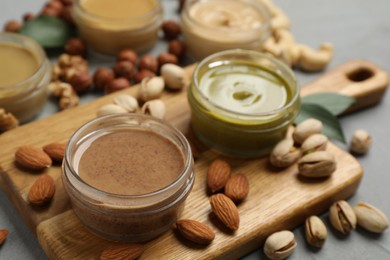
<point>7,121</point>
<point>342,217</point>
<point>223,205</point>
<point>282,45</point>
<point>57,8</point>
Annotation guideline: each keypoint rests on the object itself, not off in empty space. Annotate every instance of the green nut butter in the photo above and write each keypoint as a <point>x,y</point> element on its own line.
<point>242,102</point>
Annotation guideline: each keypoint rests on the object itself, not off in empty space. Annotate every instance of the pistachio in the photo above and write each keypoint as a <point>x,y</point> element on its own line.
<point>361,142</point>
<point>151,88</point>
<point>110,109</point>
<point>316,142</point>
<point>284,154</point>
<point>174,76</point>
<point>342,217</point>
<point>305,129</point>
<point>315,231</point>
<point>154,108</point>
<point>371,218</point>
<point>317,164</point>
<point>127,102</point>
<point>280,245</point>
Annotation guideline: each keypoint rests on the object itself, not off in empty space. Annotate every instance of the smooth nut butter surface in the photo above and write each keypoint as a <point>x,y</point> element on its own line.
<point>129,162</point>
<point>119,9</point>
<point>244,88</point>
<point>17,64</point>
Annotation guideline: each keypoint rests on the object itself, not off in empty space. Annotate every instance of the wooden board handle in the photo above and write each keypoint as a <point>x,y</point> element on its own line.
<point>361,79</point>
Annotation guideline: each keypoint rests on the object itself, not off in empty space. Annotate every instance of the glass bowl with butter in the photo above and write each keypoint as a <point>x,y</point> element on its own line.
<point>242,102</point>
<point>211,26</point>
<point>25,73</point>
<point>108,26</point>
<point>127,176</point>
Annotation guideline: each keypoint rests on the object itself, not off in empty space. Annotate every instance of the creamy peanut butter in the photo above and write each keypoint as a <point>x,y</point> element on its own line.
<point>129,162</point>
<point>16,64</point>
<point>119,9</point>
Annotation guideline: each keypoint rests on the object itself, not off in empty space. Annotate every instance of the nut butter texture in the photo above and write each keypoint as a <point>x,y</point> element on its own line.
<point>17,64</point>
<point>130,162</point>
<point>108,26</point>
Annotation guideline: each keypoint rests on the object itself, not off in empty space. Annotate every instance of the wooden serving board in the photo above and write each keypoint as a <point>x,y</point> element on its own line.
<point>277,200</point>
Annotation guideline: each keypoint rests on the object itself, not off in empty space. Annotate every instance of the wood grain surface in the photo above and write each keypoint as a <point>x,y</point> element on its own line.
<point>277,200</point>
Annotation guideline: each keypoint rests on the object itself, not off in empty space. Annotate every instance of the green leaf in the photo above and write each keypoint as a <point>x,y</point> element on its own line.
<point>49,31</point>
<point>333,102</point>
<point>332,128</point>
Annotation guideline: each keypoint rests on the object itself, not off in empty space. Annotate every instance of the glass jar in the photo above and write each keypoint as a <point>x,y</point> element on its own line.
<point>119,217</point>
<point>25,98</point>
<point>242,102</point>
<point>109,35</point>
<point>210,26</point>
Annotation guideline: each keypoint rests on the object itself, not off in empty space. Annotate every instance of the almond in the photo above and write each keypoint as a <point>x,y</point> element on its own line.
<point>195,231</point>
<point>3,235</point>
<point>237,187</point>
<point>32,158</point>
<point>218,174</point>
<point>226,211</point>
<point>56,151</point>
<point>42,191</point>
<point>122,251</point>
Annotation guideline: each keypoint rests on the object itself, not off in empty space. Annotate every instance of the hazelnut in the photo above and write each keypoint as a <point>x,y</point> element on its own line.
<point>148,62</point>
<point>67,2</point>
<point>55,4</point>
<point>124,69</point>
<point>143,74</point>
<point>50,11</point>
<point>81,82</point>
<point>102,76</point>
<point>116,85</point>
<point>28,16</point>
<point>127,54</point>
<point>12,26</point>
<point>176,48</point>
<point>171,29</point>
<point>165,58</point>
<point>66,15</point>
<point>76,46</point>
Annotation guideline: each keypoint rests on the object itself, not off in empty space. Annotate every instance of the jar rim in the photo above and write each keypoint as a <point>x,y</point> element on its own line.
<point>158,9</point>
<point>260,7</point>
<point>183,141</point>
<point>38,53</point>
<point>249,53</point>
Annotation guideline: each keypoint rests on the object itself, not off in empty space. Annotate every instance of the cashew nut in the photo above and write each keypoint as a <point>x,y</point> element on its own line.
<point>315,60</point>
<point>279,19</point>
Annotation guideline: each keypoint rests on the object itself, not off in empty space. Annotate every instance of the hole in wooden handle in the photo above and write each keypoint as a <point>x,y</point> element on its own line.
<point>360,74</point>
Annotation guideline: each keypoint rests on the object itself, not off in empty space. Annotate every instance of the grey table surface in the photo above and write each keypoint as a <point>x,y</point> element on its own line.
<point>358,29</point>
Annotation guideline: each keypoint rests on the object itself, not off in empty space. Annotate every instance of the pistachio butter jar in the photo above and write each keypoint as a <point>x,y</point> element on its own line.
<point>128,176</point>
<point>108,26</point>
<point>211,26</point>
<point>25,73</point>
<point>242,102</point>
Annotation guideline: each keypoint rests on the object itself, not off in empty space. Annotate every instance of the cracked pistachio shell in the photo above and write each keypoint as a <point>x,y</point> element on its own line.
<point>280,245</point>
<point>361,142</point>
<point>315,231</point>
<point>127,102</point>
<point>155,107</point>
<point>316,142</point>
<point>151,88</point>
<point>342,217</point>
<point>371,218</point>
<point>305,129</point>
<point>110,109</point>
<point>317,164</point>
<point>284,154</point>
<point>174,76</point>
